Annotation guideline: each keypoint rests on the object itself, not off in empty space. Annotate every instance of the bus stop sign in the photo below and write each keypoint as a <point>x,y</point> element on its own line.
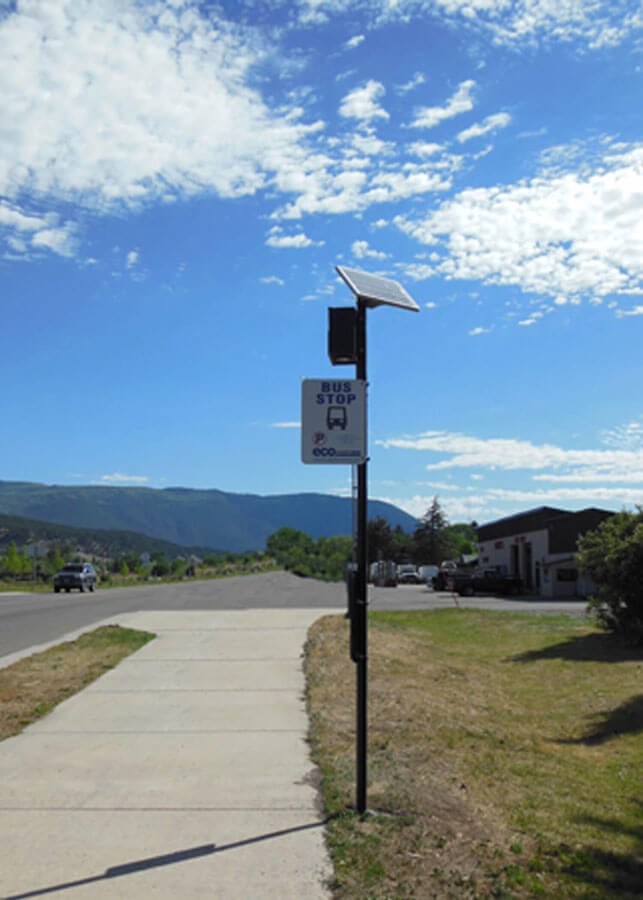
<point>333,421</point>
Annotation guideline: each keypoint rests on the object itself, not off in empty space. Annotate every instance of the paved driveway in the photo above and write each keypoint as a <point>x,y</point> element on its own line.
<point>412,596</point>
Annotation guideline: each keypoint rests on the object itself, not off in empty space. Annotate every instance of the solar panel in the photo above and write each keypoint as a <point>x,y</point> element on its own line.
<point>376,291</point>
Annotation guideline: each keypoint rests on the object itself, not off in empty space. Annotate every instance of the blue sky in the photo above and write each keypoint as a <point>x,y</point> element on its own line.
<point>179,180</point>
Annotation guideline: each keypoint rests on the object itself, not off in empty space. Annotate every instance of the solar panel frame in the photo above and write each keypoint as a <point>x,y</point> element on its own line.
<point>373,290</point>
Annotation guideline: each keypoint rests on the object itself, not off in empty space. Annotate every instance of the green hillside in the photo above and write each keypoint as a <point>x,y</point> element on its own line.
<point>90,541</point>
<point>191,518</point>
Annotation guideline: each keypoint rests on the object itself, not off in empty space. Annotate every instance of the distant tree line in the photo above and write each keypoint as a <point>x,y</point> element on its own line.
<point>432,541</point>
<point>298,552</point>
<point>326,558</point>
<point>19,565</point>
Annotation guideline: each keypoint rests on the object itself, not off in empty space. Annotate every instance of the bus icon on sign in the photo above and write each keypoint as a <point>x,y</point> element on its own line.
<point>336,418</point>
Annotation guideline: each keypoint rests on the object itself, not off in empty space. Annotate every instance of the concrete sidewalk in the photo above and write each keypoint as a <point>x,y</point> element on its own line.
<point>184,772</point>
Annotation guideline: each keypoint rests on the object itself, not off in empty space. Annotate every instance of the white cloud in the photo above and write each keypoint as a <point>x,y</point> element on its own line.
<point>465,451</point>
<point>425,148</point>
<point>368,145</point>
<point>585,496</point>
<point>104,97</point>
<point>286,425</point>
<point>441,486</point>
<point>564,477</point>
<point>598,24</point>
<point>494,503</point>
<point>625,437</point>
<point>119,478</point>
<point>418,272</point>
<point>479,330</point>
<point>491,123</point>
<point>591,476</point>
<point>565,235</point>
<point>276,238</point>
<point>487,505</point>
<point>272,279</point>
<point>362,103</point>
<point>132,259</point>
<point>362,250</point>
<point>634,311</point>
<point>410,85</point>
<point>12,217</point>
<point>118,104</point>
<point>460,102</point>
<point>354,41</point>
<point>27,233</point>
<point>59,240</point>
<point>328,187</point>
<point>595,23</point>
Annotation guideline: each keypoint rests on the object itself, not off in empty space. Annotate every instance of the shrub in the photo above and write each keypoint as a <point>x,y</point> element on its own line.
<point>612,556</point>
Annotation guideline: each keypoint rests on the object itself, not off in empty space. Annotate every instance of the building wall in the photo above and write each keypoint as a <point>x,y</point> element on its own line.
<point>560,576</point>
<point>518,554</point>
<point>540,546</point>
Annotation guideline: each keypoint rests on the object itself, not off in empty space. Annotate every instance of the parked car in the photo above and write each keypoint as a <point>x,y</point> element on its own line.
<point>75,575</point>
<point>447,569</point>
<point>408,574</point>
<point>485,581</point>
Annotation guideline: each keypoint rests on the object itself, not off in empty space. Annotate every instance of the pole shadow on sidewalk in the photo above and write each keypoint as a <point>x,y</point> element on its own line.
<point>167,859</point>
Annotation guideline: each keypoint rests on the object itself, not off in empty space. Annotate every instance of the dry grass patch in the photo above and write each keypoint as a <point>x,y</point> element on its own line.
<point>31,687</point>
<point>504,757</point>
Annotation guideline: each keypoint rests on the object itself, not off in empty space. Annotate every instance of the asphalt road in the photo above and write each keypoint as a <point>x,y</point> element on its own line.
<point>28,620</point>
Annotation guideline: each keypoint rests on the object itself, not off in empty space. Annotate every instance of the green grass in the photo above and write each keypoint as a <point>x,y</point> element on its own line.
<point>32,687</point>
<point>505,748</point>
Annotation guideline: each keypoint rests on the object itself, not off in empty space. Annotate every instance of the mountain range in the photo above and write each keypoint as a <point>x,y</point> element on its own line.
<point>189,517</point>
<point>98,542</point>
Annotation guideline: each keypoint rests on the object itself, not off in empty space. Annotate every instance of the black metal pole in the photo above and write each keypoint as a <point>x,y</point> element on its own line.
<point>361,610</point>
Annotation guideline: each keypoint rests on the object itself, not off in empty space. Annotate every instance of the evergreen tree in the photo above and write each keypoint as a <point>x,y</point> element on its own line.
<point>403,546</point>
<point>380,540</point>
<point>430,536</point>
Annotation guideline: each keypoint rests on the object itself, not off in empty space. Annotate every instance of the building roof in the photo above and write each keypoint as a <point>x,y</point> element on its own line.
<point>564,527</point>
<point>565,531</point>
<point>532,520</point>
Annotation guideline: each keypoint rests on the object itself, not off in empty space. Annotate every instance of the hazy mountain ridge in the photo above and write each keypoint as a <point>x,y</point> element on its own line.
<point>107,543</point>
<point>190,517</point>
